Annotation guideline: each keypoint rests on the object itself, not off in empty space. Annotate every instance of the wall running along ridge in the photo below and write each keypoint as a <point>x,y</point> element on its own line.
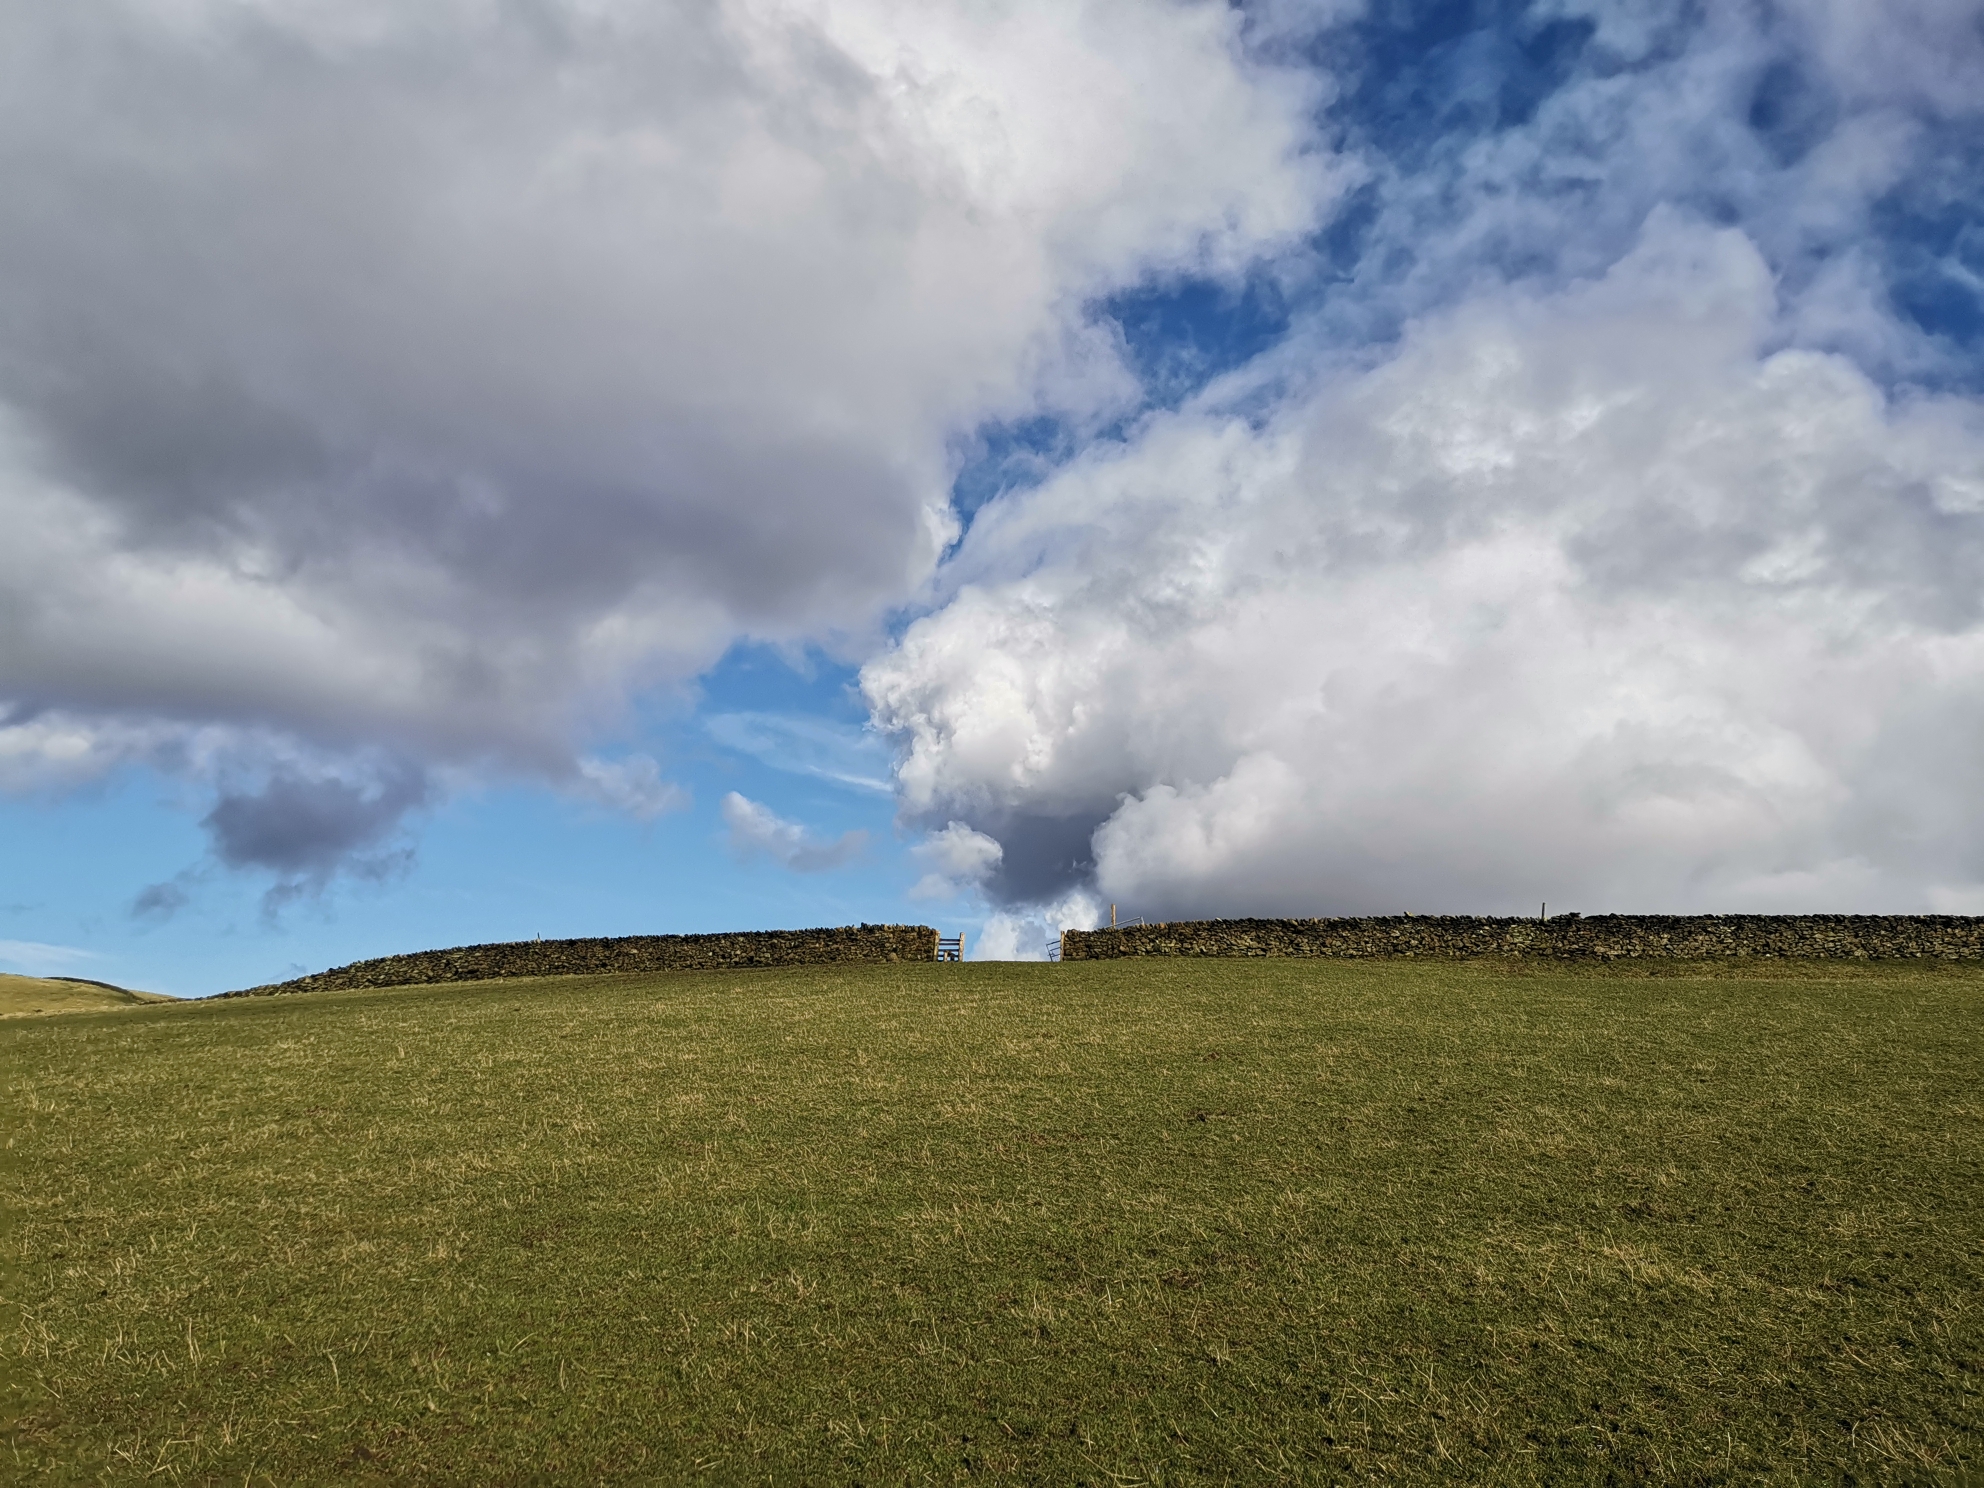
<point>1564,937</point>
<point>848,945</point>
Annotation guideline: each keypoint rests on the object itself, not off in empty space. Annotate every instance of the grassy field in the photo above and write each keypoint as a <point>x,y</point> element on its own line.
<point>1124,1222</point>
<point>24,997</point>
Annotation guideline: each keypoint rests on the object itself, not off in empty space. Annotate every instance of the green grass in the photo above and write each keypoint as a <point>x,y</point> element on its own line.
<point>1126,1222</point>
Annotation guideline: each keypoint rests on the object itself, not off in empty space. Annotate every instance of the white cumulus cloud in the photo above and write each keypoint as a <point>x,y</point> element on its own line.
<point>1599,594</point>
<point>958,859</point>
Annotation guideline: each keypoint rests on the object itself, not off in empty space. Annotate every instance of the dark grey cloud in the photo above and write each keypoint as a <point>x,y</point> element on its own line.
<point>305,829</point>
<point>161,901</point>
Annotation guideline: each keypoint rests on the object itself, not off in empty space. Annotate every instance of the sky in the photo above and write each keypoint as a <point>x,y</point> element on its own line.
<point>476,469</point>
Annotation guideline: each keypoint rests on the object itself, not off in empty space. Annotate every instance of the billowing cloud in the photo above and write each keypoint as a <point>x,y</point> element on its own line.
<point>1587,509</point>
<point>1600,595</point>
<point>957,859</point>
<point>1011,938</point>
<point>1604,530</point>
<point>421,378</point>
<point>755,830</point>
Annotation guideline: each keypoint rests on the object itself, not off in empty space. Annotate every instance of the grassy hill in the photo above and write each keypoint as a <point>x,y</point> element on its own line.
<point>1133,1221</point>
<point>22,997</point>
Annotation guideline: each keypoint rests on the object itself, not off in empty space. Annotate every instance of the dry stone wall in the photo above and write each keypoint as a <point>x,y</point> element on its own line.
<point>1563,937</point>
<point>848,945</point>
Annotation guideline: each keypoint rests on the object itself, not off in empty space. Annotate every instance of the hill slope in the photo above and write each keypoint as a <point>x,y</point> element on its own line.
<point>1129,1221</point>
<point>22,996</point>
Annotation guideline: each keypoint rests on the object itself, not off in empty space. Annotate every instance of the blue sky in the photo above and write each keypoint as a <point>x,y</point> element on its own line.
<point>492,862</point>
<point>629,470</point>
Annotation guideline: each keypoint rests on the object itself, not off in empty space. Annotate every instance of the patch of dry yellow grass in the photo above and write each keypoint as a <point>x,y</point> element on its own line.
<point>24,997</point>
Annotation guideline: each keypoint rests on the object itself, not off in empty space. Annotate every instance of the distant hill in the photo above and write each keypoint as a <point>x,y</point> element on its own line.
<point>23,997</point>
